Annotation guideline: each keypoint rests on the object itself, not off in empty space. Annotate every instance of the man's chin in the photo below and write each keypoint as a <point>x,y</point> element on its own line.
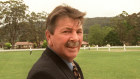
<point>72,52</point>
<point>72,56</point>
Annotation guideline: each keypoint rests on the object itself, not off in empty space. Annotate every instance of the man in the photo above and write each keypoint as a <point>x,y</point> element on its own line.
<point>30,50</point>
<point>64,36</point>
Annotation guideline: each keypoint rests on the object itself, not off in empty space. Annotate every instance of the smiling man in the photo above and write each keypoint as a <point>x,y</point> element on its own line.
<point>64,36</point>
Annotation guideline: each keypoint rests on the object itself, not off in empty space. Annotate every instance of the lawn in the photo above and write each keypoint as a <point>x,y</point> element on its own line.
<point>110,65</point>
<point>95,65</point>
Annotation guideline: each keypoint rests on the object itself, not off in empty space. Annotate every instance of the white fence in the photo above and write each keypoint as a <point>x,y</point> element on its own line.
<point>108,48</point>
<point>2,50</point>
<point>96,48</point>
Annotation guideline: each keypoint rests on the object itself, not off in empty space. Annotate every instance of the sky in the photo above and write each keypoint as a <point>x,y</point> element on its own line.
<point>93,8</point>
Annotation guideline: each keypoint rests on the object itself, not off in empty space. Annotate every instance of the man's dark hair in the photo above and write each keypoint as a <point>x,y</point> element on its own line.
<point>63,10</point>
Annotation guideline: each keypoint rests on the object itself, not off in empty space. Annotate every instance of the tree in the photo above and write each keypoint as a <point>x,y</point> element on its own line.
<point>112,38</point>
<point>12,14</point>
<point>97,33</point>
<point>85,37</point>
<point>134,29</point>
<point>37,27</point>
<point>120,25</point>
<point>103,21</point>
<point>127,27</point>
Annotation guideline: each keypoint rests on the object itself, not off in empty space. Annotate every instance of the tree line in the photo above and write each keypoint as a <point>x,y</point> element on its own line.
<point>18,24</point>
<point>118,30</point>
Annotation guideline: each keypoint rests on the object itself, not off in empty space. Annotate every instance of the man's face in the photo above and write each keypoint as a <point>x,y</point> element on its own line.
<point>67,38</point>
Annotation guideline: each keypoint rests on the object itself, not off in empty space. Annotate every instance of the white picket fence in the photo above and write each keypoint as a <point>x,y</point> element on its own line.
<point>96,48</point>
<point>108,48</point>
<point>2,50</point>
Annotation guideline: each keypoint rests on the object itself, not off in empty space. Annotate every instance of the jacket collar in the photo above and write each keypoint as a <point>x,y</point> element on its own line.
<point>60,63</point>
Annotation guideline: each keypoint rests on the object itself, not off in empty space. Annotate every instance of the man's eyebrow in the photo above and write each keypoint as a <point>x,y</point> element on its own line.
<point>80,29</point>
<point>67,28</point>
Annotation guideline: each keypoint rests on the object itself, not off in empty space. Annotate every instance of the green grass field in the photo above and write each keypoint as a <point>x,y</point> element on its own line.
<point>95,65</point>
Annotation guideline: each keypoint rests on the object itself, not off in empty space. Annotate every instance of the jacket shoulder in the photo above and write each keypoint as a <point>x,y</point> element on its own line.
<point>49,66</point>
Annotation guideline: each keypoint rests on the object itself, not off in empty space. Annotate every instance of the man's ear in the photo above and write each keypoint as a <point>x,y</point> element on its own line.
<point>48,37</point>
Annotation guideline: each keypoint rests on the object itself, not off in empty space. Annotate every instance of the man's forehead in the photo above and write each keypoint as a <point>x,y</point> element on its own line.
<point>69,23</point>
<point>65,20</point>
<point>72,27</point>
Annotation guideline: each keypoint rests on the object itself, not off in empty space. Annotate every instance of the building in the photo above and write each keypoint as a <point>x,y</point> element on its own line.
<point>23,45</point>
<point>1,45</point>
<point>84,44</point>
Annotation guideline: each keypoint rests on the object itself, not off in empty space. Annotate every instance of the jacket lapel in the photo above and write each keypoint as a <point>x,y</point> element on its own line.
<point>60,63</point>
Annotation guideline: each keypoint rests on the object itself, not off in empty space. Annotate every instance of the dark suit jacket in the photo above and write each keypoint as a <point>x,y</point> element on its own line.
<point>51,66</point>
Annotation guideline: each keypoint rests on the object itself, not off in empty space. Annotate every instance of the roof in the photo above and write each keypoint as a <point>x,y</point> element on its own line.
<point>23,43</point>
<point>1,43</point>
<point>84,42</point>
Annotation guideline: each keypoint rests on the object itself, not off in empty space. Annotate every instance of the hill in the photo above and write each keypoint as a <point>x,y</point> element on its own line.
<point>103,21</point>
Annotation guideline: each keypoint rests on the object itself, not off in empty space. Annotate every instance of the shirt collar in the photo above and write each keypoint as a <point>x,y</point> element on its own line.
<point>69,64</point>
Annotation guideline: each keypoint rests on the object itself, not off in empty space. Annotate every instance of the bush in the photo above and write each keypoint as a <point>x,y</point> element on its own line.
<point>35,45</point>
<point>7,45</point>
<point>44,44</point>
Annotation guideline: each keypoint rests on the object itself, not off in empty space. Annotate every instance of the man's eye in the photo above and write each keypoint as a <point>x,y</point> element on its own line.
<point>66,32</point>
<point>79,32</point>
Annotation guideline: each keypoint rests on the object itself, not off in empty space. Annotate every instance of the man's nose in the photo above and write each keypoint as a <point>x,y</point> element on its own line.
<point>74,36</point>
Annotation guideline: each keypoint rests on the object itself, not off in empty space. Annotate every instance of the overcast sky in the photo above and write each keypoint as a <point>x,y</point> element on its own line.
<point>93,8</point>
